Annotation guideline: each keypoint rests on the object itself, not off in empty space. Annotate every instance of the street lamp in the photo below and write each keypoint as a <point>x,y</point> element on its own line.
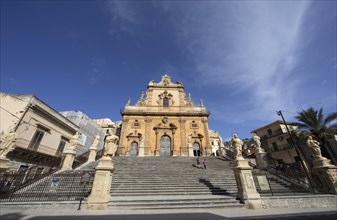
<point>292,141</point>
<point>304,167</point>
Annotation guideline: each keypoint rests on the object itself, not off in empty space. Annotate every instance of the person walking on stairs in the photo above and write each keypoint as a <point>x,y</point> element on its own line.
<point>205,163</point>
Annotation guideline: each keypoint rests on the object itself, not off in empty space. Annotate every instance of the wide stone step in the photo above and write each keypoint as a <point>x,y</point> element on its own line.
<point>154,190</point>
<point>169,193</point>
<point>177,202</point>
<point>163,182</point>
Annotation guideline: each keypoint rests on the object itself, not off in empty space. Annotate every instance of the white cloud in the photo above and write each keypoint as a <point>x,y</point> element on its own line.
<point>94,73</point>
<point>125,16</point>
<point>249,47</point>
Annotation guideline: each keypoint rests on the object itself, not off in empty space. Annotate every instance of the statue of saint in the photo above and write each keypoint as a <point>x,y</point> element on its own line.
<point>201,103</point>
<point>110,144</point>
<point>8,142</point>
<point>190,139</point>
<point>314,147</point>
<point>74,140</point>
<point>237,144</point>
<point>257,141</point>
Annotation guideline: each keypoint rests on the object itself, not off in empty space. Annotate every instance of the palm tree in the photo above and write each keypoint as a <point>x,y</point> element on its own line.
<point>314,123</point>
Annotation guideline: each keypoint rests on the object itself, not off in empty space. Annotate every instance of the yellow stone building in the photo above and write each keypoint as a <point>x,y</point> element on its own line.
<point>164,122</point>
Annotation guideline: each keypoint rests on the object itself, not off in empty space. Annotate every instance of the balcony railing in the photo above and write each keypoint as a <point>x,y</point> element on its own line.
<point>280,148</point>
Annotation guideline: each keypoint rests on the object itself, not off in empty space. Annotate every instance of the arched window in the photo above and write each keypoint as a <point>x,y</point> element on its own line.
<point>165,102</point>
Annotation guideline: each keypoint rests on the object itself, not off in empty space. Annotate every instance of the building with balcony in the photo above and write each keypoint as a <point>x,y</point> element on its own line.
<point>276,141</point>
<point>40,134</point>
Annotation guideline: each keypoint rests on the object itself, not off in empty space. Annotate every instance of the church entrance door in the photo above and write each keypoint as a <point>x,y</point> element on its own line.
<point>134,149</point>
<point>165,146</point>
<point>196,149</point>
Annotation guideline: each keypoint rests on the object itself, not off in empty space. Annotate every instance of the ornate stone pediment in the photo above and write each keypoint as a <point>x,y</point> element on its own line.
<point>165,82</point>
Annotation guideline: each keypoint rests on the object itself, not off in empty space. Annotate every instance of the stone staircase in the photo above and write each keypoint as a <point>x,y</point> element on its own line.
<point>172,182</point>
<point>157,183</point>
<point>280,186</point>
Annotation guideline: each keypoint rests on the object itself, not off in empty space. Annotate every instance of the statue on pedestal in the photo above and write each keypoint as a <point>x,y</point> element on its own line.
<point>314,147</point>
<point>257,141</point>
<point>74,140</point>
<point>189,139</point>
<point>237,144</point>
<point>110,144</point>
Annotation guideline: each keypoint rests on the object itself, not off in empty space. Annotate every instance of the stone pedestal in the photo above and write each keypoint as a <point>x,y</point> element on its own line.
<point>261,160</point>
<point>69,156</point>
<point>92,154</point>
<point>246,187</point>
<point>100,192</point>
<point>327,174</point>
<point>321,162</point>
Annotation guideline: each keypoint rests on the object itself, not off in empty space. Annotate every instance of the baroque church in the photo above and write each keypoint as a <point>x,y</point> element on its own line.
<point>164,122</point>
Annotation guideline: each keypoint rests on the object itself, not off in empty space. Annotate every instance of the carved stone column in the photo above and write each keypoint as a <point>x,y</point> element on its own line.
<point>190,150</point>
<point>148,136</point>
<point>141,150</point>
<point>174,148</point>
<point>100,193</point>
<point>208,147</point>
<point>123,142</point>
<point>246,188</point>
<point>183,138</point>
<point>156,151</point>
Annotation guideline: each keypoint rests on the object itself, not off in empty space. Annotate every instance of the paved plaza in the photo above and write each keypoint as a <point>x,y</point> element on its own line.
<point>176,214</point>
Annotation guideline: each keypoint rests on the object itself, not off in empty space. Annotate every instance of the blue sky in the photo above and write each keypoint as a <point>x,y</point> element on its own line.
<point>245,59</point>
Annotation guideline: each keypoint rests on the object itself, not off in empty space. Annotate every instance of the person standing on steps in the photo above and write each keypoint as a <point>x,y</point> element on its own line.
<point>198,163</point>
<point>205,163</point>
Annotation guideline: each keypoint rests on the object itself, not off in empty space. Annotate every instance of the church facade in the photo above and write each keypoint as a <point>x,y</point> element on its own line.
<point>164,122</point>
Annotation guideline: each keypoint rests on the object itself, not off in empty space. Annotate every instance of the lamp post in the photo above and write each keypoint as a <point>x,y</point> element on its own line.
<point>292,141</point>
<point>85,179</point>
<point>304,167</point>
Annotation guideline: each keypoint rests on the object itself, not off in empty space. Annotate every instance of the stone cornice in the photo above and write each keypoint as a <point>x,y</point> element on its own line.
<point>178,114</point>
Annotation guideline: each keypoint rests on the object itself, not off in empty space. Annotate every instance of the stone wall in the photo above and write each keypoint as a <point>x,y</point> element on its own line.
<point>305,201</point>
